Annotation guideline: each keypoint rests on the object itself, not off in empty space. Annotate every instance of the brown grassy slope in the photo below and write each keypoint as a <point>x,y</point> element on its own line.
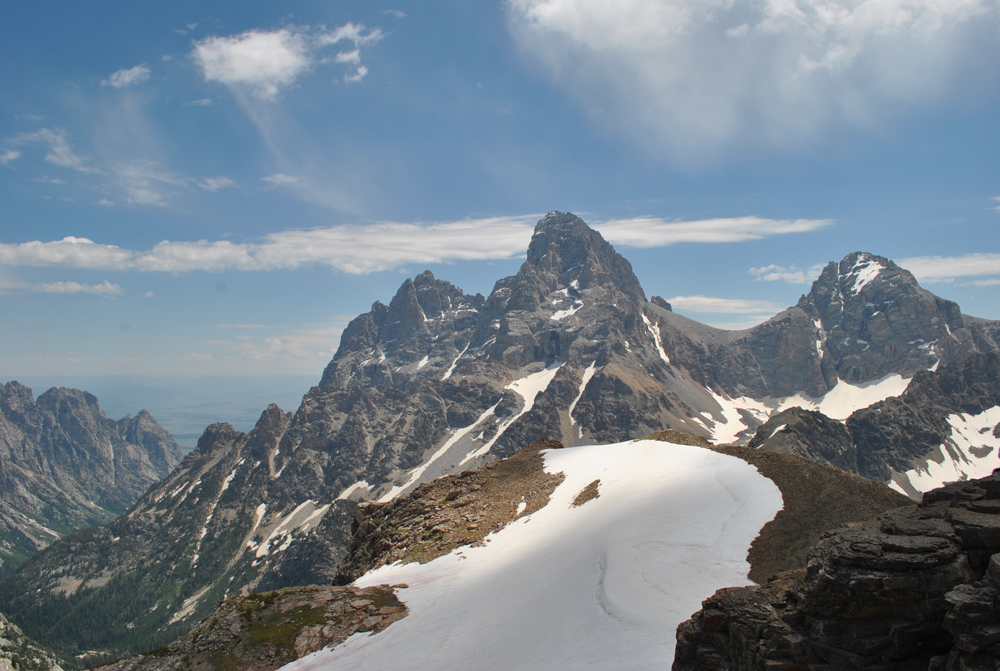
<point>449,512</point>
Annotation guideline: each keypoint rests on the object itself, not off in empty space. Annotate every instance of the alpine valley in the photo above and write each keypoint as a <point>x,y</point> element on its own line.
<point>869,380</point>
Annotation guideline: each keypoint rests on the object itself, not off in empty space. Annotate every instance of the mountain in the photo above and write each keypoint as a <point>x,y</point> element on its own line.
<point>439,382</point>
<point>65,465</point>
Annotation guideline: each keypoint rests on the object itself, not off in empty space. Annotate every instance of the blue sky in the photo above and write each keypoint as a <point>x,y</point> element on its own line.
<point>216,189</point>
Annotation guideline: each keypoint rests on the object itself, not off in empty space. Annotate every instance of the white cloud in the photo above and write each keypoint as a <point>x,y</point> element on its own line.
<point>269,61</point>
<point>741,324</point>
<point>278,179</point>
<point>655,232</point>
<point>49,180</point>
<point>358,75</point>
<point>105,202</point>
<point>194,356</point>
<point>791,274</point>
<point>8,156</point>
<point>148,294</point>
<point>60,152</point>
<point>947,268</point>
<point>349,57</point>
<point>997,208</point>
<point>105,288</point>
<point>711,304</point>
<point>130,77</point>
<point>395,12</point>
<point>370,248</point>
<point>698,77</point>
<point>70,252</point>
<point>216,183</point>
<point>201,102</point>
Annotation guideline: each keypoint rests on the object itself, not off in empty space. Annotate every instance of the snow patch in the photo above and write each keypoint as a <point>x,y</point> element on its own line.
<point>970,452</point>
<point>559,315</point>
<point>346,494</point>
<point>587,374</point>
<point>419,470</point>
<point>451,369</point>
<point>728,431</point>
<point>601,586</point>
<point>423,362</point>
<point>654,329</point>
<point>527,388</point>
<point>306,516</point>
<point>865,270</point>
<point>845,398</point>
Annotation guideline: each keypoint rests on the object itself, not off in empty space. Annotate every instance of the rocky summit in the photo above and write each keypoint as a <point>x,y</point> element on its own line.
<point>65,465</point>
<point>438,382</point>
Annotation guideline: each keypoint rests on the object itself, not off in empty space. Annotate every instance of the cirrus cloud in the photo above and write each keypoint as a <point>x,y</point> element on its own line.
<point>360,249</point>
<point>696,78</point>
<point>656,232</point>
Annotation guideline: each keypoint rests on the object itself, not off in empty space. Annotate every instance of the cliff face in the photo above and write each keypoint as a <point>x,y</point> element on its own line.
<point>915,588</point>
<point>65,465</point>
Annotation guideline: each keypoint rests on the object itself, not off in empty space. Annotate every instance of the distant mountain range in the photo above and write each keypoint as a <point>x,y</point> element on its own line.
<point>439,382</point>
<point>65,465</point>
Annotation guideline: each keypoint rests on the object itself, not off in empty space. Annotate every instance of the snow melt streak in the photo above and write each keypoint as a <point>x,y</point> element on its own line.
<point>600,586</point>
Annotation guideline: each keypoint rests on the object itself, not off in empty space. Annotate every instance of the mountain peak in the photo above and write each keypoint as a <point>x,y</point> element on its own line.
<point>564,245</point>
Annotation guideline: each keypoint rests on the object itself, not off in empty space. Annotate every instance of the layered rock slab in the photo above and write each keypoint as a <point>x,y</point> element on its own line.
<point>886,594</point>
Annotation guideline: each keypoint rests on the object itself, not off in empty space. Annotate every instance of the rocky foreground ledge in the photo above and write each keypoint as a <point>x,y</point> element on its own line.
<point>264,631</point>
<point>916,588</point>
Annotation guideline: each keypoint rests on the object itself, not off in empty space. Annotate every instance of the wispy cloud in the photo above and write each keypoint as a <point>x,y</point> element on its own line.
<point>712,304</point>
<point>278,179</point>
<point>655,232</point>
<point>201,102</point>
<point>105,288</point>
<point>369,248</point>
<point>266,62</point>
<point>949,268</point>
<point>8,156</point>
<point>145,183</point>
<point>129,77</point>
<point>60,151</point>
<point>216,183</point>
<point>693,78</point>
<point>792,274</point>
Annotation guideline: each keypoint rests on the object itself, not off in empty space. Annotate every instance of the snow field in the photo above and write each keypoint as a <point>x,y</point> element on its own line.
<point>599,586</point>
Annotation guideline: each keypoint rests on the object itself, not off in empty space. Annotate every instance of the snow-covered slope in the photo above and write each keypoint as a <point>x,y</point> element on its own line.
<point>602,585</point>
<point>970,452</point>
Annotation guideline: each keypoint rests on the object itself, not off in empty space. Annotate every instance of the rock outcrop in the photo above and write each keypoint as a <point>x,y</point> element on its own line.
<point>20,653</point>
<point>912,589</point>
<point>264,631</point>
<point>65,465</point>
